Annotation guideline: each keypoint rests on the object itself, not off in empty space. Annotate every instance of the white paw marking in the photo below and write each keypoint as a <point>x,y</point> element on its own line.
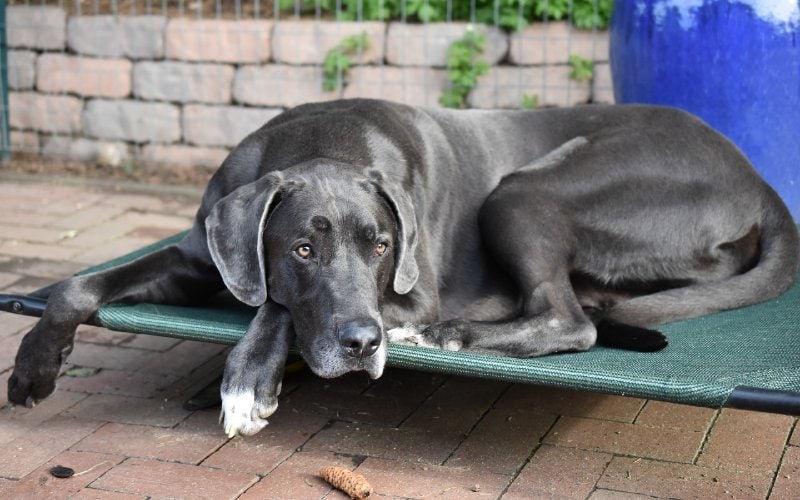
<point>409,334</point>
<point>242,415</point>
<point>452,345</point>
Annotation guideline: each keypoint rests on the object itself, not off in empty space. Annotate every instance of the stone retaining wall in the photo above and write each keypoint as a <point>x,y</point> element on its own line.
<point>184,91</point>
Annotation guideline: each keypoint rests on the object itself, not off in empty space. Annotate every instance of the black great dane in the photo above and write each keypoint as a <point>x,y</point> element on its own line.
<point>519,233</point>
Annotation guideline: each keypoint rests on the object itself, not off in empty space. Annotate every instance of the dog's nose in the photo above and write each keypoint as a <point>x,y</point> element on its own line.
<point>360,340</point>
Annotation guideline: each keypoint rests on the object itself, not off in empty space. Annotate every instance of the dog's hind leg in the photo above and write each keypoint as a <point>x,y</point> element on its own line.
<point>175,274</point>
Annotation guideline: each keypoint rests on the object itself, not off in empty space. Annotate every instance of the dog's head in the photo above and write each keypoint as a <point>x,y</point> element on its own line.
<point>327,243</point>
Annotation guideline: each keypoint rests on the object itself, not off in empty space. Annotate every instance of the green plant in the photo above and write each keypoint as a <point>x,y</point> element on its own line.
<point>463,68</point>
<point>529,101</point>
<point>508,14</point>
<point>338,60</point>
<point>582,69</point>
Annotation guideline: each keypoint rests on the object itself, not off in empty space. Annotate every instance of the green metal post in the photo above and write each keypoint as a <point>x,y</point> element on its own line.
<point>5,141</point>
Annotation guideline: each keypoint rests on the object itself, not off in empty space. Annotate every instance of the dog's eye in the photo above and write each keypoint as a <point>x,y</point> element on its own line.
<point>303,251</point>
<point>379,250</point>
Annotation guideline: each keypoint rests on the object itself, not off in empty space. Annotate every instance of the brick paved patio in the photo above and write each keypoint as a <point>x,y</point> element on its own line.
<point>412,434</point>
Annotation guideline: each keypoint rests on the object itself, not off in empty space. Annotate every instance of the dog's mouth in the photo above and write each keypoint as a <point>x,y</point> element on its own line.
<point>334,362</point>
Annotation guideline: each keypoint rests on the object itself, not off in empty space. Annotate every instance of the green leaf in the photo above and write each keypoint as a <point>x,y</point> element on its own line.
<point>82,372</point>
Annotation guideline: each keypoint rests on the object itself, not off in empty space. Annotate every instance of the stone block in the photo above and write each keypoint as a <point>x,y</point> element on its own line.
<point>143,36</point>
<point>279,85</point>
<point>26,142</point>
<point>219,40</point>
<point>21,69</point>
<point>308,42</point>
<point>412,86</point>
<point>95,36</point>
<point>137,37</point>
<point>182,82</point>
<point>504,87</point>
<point>84,150</point>
<point>44,113</point>
<point>182,156</point>
<point>86,76</point>
<point>554,42</point>
<point>602,84</point>
<point>222,125</point>
<point>132,121</point>
<point>36,27</point>
<point>427,44</point>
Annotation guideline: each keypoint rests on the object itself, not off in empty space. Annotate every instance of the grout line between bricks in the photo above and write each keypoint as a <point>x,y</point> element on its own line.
<point>706,435</point>
<point>780,460</point>
<point>638,413</point>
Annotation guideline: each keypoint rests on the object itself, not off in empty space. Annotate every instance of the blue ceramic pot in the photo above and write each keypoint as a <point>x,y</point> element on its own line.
<point>734,63</point>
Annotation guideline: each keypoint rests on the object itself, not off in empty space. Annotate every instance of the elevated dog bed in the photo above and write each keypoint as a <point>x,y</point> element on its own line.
<point>747,358</point>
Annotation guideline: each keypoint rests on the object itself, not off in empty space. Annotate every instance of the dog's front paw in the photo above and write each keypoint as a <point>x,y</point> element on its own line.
<point>446,336</point>
<point>35,373</point>
<point>410,334</point>
<point>244,414</point>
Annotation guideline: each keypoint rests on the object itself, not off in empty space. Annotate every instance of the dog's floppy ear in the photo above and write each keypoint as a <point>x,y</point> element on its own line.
<point>406,271</point>
<point>235,229</point>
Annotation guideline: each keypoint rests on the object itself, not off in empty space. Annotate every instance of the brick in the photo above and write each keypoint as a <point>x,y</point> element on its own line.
<point>385,442</point>
<point>164,479</point>
<point>354,408</point>
<point>616,495</point>
<point>27,142</point>
<point>95,494</point>
<point>51,269</point>
<point>41,484</point>
<point>95,36</point>
<point>222,125</point>
<point>29,451</point>
<point>602,84</point>
<point>37,27</point>
<point>505,86</point>
<point>36,250</point>
<point>427,44</point>
<point>44,113</point>
<point>621,438</point>
<point>746,440</point>
<point>571,402</point>
<point>21,69</point>
<point>412,480</point>
<point>502,441</point>
<point>298,477</point>
<point>86,150</point>
<point>787,481</point>
<point>287,431</point>
<point>151,342</point>
<point>122,383</point>
<point>279,85</point>
<point>308,42</point>
<point>143,36</point>
<point>217,40</point>
<point>132,121</point>
<point>795,439</point>
<point>559,473</point>
<point>99,335</point>
<point>412,86</point>
<point>179,155</point>
<point>672,480</point>
<point>182,82</point>
<point>662,414</point>
<point>31,234</point>
<point>128,410</point>
<point>189,442</point>
<point>111,357</point>
<point>85,76</point>
<point>554,42</point>
<point>18,421</point>
<point>182,358</point>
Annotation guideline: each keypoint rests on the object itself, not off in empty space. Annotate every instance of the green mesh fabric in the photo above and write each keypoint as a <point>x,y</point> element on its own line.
<point>706,358</point>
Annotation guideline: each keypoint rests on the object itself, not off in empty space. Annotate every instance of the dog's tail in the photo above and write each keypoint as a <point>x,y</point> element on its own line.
<point>772,275</point>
